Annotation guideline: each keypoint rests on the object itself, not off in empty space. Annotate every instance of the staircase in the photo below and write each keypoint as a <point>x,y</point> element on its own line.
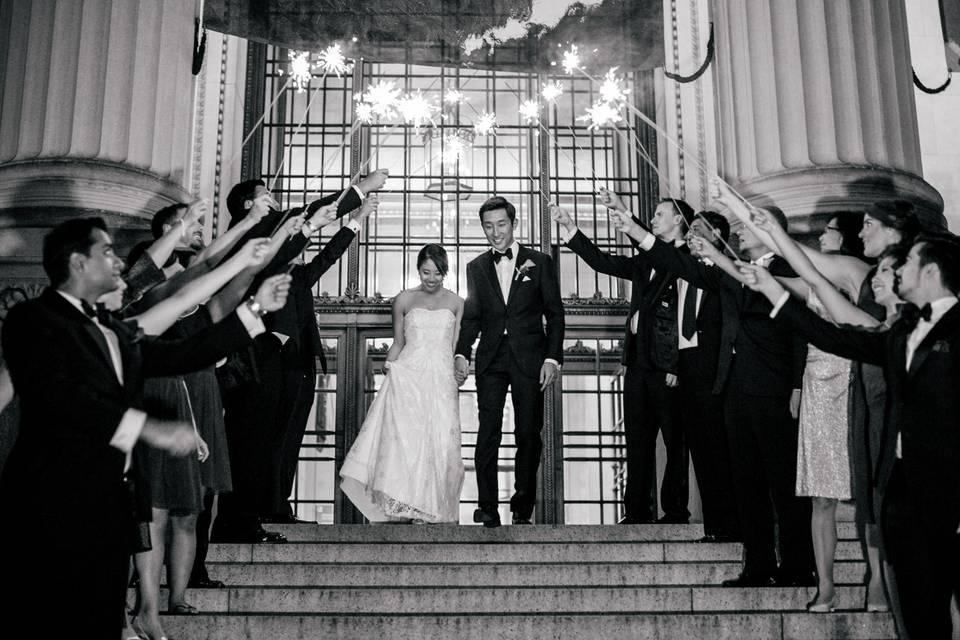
<point>398,582</point>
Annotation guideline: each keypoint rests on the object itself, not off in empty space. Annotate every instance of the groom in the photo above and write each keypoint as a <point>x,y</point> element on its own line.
<point>510,290</point>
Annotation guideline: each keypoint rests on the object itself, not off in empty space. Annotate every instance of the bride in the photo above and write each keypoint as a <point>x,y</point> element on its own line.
<point>405,464</point>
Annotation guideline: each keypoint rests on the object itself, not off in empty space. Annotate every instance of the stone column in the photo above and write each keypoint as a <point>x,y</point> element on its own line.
<point>95,114</point>
<point>816,105</point>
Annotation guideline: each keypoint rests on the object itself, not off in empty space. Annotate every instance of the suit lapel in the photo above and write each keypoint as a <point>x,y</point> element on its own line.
<point>87,326</point>
<point>486,266</point>
<point>944,326</point>
<point>514,282</point>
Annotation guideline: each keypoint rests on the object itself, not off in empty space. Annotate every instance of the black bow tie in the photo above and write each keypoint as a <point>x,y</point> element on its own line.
<point>127,329</point>
<point>88,309</point>
<point>497,255</point>
<point>912,314</point>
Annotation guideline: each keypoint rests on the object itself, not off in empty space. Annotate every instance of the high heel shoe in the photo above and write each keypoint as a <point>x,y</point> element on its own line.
<point>823,607</point>
<point>875,607</point>
<point>141,632</point>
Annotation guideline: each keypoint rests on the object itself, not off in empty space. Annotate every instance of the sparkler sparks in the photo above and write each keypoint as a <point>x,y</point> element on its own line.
<point>415,109</point>
<point>485,124</point>
<point>364,112</point>
<point>299,71</point>
<point>552,91</point>
<point>332,61</point>
<point>383,99</point>
<point>453,148</point>
<point>454,96</point>
<point>612,89</point>
<point>601,114</point>
<point>530,110</point>
<point>571,60</point>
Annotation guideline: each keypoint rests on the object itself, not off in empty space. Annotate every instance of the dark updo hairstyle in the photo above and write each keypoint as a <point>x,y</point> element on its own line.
<point>436,254</point>
<point>896,252</point>
<point>849,224</point>
<point>899,215</point>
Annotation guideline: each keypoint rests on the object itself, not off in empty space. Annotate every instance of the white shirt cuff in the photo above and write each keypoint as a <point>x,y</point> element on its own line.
<point>647,242</point>
<point>359,192</point>
<point>552,361</point>
<point>128,432</point>
<point>782,300</point>
<point>252,323</point>
<point>568,233</point>
<point>353,224</point>
<point>459,355</point>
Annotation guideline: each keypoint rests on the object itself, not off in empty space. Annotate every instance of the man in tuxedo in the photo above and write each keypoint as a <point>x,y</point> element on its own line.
<point>918,475</point>
<point>650,394</point>
<point>79,375</point>
<point>256,423</point>
<point>760,368</point>
<point>295,326</point>
<point>511,290</point>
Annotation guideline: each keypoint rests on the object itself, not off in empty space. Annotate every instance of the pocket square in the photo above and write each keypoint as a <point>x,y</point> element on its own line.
<point>525,279</point>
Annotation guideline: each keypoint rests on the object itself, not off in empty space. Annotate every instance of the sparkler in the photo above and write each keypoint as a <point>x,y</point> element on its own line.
<point>485,124</point>
<point>332,61</point>
<point>364,112</point>
<point>571,60</point>
<point>454,96</point>
<point>551,91</point>
<point>453,148</point>
<point>612,89</point>
<point>530,111</point>
<point>383,98</point>
<point>300,69</point>
<point>415,109</point>
<point>601,114</point>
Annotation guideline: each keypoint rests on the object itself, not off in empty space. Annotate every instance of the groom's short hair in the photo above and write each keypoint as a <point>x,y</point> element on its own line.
<point>499,202</point>
<point>64,240</point>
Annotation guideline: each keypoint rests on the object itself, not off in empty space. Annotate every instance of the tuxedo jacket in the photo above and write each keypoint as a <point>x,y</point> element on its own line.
<point>62,472</point>
<point>769,354</point>
<point>922,403</point>
<point>648,296</point>
<point>296,319</point>
<point>532,299</point>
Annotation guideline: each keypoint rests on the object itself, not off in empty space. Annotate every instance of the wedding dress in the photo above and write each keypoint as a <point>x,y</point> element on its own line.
<point>405,463</point>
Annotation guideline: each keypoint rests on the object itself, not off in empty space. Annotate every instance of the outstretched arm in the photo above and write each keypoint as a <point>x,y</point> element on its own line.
<point>839,306</point>
<point>853,343</point>
<point>612,265</point>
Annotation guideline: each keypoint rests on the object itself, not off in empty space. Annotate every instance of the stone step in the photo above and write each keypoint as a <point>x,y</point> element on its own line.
<point>467,625</point>
<point>496,575</point>
<point>510,600</point>
<point>446,533</point>
<point>492,552</point>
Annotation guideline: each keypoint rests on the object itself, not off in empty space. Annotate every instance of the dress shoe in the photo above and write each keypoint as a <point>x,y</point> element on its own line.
<point>795,578</point>
<point>718,537</point>
<point>249,537</point>
<point>490,519</point>
<point>673,520</point>
<point>749,580</point>
<point>284,519</point>
<point>272,536</point>
<point>515,519</point>
<point>205,583</point>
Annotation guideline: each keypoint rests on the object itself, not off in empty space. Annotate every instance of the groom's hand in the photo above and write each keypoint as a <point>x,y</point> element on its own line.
<point>461,369</point>
<point>548,373</point>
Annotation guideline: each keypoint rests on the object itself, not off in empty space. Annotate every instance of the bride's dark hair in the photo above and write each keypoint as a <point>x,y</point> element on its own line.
<point>436,254</point>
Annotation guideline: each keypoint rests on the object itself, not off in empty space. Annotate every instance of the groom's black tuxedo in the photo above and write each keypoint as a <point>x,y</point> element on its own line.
<point>920,487</point>
<point>513,347</point>
<point>517,321</point>
<point>63,494</point>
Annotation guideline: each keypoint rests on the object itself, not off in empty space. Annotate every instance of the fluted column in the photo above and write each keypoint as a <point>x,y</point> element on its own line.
<point>95,111</point>
<point>816,105</point>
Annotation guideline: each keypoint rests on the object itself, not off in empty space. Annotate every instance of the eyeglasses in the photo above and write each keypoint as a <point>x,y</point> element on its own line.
<point>837,229</point>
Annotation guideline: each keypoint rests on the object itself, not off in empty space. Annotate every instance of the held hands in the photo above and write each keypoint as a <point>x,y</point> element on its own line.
<point>561,217</point>
<point>461,369</point>
<point>272,294</point>
<point>795,404</point>
<point>548,373</point>
<point>370,204</point>
<point>611,200</point>
<point>374,181</point>
<point>620,371</point>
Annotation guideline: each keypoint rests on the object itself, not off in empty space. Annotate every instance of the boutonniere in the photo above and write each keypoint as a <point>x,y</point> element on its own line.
<point>522,271</point>
<point>941,346</point>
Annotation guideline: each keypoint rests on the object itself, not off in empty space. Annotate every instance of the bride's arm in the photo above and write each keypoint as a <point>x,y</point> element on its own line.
<point>456,334</point>
<point>399,304</point>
